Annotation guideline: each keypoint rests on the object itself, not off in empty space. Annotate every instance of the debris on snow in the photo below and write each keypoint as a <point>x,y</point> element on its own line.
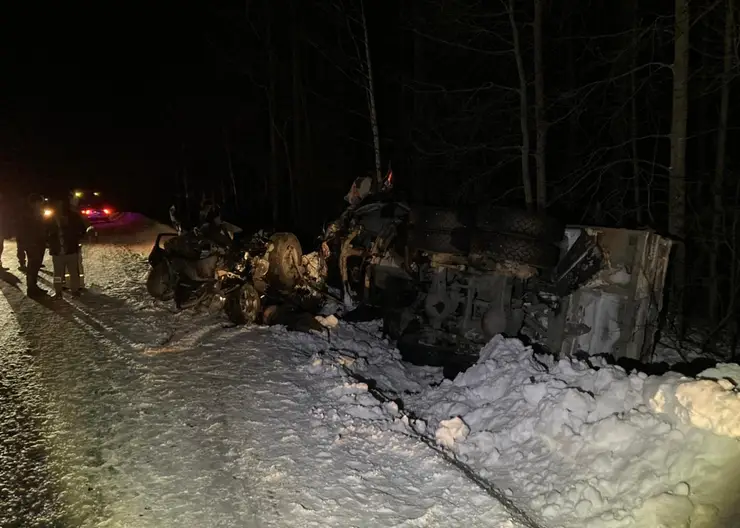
<point>451,431</point>
<point>329,321</point>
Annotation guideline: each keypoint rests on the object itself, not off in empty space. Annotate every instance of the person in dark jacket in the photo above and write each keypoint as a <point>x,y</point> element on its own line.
<point>4,227</point>
<point>65,233</point>
<point>31,239</point>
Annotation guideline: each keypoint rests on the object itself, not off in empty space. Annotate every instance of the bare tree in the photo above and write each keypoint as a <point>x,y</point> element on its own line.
<point>230,166</point>
<point>523,108</point>
<point>634,126</point>
<point>370,90</point>
<point>539,106</point>
<point>719,165</point>
<point>272,115</point>
<point>677,174</point>
<point>296,171</point>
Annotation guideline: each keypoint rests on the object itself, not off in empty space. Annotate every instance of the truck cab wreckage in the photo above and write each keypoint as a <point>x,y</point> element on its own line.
<point>446,281</point>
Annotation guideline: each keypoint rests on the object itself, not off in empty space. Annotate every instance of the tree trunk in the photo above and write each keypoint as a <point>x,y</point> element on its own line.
<point>719,165</point>
<point>307,162</point>
<point>420,186</point>
<point>523,120</point>
<point>539,107</point>
<point>634,122</point>
<point>370,89</point>
<point>735,237</point>
<point>232,177</point>
<point>571,82</point>
<point>272,111</point>
<point>703,112</point>
<point>185,186</point>
<point>677,176</point>
<point>296,172</point>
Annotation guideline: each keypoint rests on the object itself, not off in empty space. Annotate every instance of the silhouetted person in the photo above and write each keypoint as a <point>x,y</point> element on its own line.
<point>66,230</point>
<point>74,203</point>
<point>31,237</point>
<point>4,227</point>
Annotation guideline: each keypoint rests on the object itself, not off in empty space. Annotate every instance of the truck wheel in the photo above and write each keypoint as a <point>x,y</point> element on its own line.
<point>454,242</point>
<point>244,305</point>
<point>518,222</point>
<point>435,219</point>
<point>507,248</point>
<point>285,260</point>
<point>158,282</point>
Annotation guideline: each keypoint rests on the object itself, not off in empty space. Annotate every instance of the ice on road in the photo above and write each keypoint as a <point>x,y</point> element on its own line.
<point>118,413</point>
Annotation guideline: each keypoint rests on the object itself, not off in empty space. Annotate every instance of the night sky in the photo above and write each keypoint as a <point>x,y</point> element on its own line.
<point>104,79</point>
<point>129,97</point>
<point>119,97</point>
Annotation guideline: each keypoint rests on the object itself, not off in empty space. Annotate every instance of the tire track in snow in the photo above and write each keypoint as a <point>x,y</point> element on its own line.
<point>522,516</point>
<point>322,468</point>
<point>485,484</point>
<point>28,490</point>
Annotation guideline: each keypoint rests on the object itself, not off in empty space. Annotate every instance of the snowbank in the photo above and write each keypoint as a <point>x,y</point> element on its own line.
<point>711,402</point>
<point>584,445</point>
<point>590,446</point>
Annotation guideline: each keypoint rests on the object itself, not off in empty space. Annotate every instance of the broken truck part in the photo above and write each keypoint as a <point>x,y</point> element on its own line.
<point>444,278</point>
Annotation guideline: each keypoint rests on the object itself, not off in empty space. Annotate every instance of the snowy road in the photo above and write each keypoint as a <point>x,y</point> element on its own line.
<point>115,413</point>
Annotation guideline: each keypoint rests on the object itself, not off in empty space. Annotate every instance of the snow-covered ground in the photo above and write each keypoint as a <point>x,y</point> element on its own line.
<point>118,412</point>
<point>573,444</point>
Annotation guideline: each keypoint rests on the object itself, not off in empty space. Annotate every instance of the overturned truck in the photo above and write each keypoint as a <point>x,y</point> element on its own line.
<point>445,279</point>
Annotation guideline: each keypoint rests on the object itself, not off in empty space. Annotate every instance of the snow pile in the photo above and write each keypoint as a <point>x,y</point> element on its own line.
<point>711,402</point>
<point>582,444</point>
<point>589,446</point>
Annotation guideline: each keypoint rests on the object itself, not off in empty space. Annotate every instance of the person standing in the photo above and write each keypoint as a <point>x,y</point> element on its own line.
<point>66,231</point>
<point>74,202</point>
<point>4,228</point>
<point>31,238</point>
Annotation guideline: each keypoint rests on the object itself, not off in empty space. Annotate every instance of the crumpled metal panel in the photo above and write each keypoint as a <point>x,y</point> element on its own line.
<point>616,312</point>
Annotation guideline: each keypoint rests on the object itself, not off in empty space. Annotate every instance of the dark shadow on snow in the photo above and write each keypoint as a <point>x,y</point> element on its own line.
<point>10,279</point>
<point>691,368</point>
<point>28,492</point>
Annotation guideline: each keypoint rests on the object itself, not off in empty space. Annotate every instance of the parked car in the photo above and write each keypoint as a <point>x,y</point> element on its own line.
<point>444,279</point>
<point>91,205</point>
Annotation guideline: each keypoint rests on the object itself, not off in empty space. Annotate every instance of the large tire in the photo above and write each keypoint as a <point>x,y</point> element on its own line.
<point>507,248</point>
<point>158,282</point>
<point>454,242</point>
<point>244,305</point>
<point>518,222</point>
<point>435,219</point>
<point>285,259</point>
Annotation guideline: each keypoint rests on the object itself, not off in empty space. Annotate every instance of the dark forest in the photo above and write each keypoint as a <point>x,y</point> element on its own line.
<point>615,114</point>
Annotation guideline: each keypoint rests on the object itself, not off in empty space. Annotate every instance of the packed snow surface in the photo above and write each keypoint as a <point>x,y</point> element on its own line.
<point>574,444</point>
<point>118,413</point>
<point>115,411</point>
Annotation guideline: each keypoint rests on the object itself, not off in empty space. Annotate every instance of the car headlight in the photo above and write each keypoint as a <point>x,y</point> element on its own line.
<point>48,212</point>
